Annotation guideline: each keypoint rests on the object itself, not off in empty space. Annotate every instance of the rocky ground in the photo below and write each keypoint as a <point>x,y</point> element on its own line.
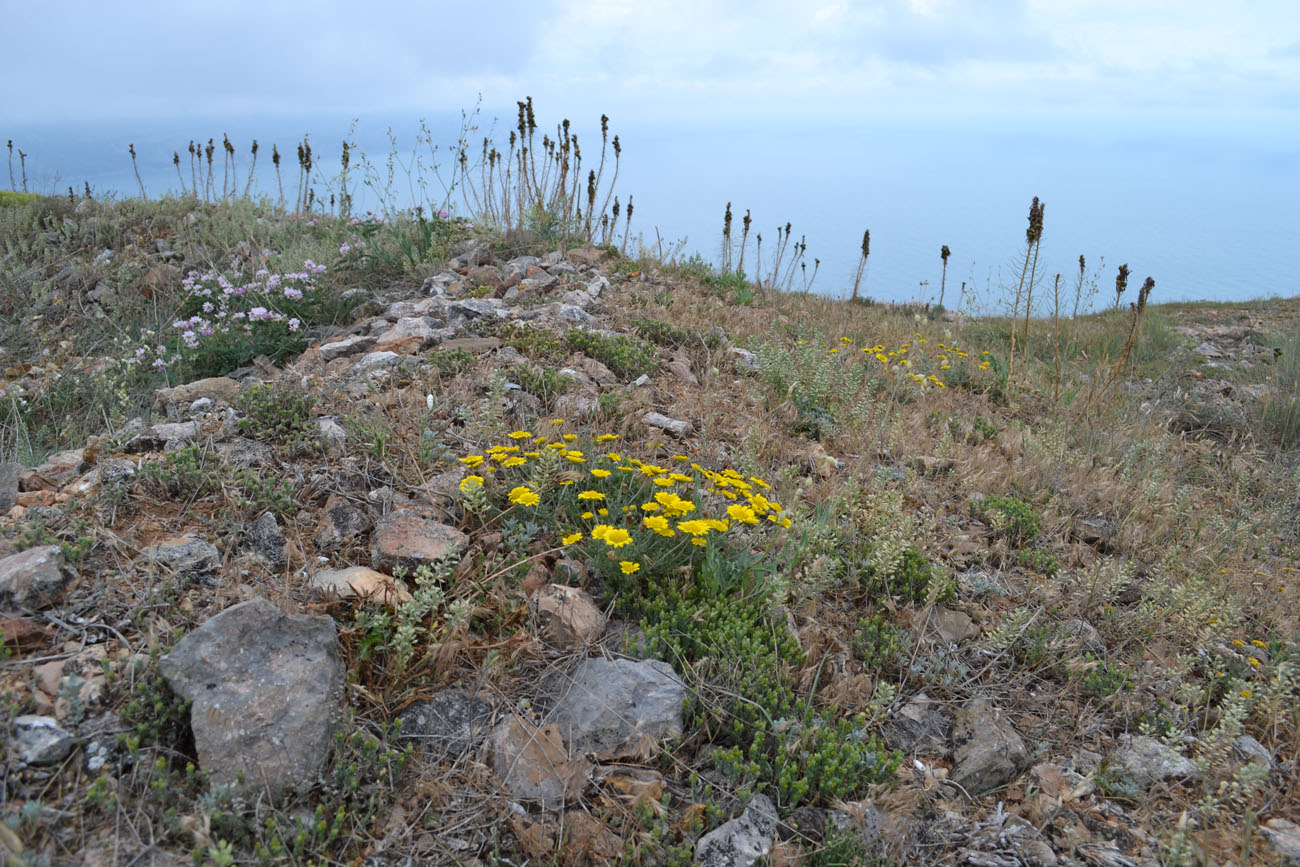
<point>204,607</point>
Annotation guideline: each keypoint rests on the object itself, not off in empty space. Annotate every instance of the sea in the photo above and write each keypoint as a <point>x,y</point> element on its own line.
<point>1210,211</point>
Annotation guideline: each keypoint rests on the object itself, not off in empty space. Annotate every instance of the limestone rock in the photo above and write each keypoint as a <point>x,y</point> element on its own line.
<point>1148,761</point>
<point>184,555</point>
<point>38,740</point>
<point>32,579</point>
<point>219,389</point>
<point>408,539</point>
<point>742,841</point>
<point>353,345</point>
<point>620,708</point>
<point>986,749</point>
<point>358,582</point>
<point>568,616</point>
<point>9,473</point>
<point>265,539</point>
<point>266,689</point>
<point>673,426</point>
<point>1283,837</point>
<point>921,726</point>
<point>448,725</point>
<point>533,764</point>
<point>340,522</point>
<point>373,361</point>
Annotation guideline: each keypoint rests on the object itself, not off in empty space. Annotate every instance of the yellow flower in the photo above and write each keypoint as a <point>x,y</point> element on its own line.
<point>602,512</point>
<point>587,516</point>
<point>681,459</point>
<point>600,474</point>
<point>680,477</point>
<point>882,357</point>
<point>658,524</point>
<point>629,566</point>
<point>1238,642</point>
<point>694,527</point>
<point>606,438</point>
<point>470,482</point>
<point>1245,693</point>
<point>699,541</point>
<point>522,496</point>
<point>663,481</point>
<point>762,484</point>
<point>1254,662</point>
<point>614,537</point>
<point>520,435</point>
<point>557,421</point>
<point>568,438</point>
<point>575,456</point>
<point>532,454</point>
<point>513,462</point>
<point>472,461</point>
<point>674,506</point>
<point>571,538</point>
<point>591,495</point>
<point>651,470</point>
<point>614,456</point>
<point>743,514</point>
<point>1258,643</point>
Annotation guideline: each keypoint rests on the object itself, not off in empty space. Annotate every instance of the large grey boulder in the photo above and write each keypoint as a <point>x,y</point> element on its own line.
<point>184,555</point>
<point>986,749</point>
<point>32,579</point>
<point>620,708</point>
<point>266,690</point>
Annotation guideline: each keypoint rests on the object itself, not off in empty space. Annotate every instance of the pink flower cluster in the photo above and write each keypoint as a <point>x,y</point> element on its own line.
<point>233,302</point>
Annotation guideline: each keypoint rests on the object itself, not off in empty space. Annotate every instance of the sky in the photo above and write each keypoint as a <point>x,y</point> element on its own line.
<point>679,61</point>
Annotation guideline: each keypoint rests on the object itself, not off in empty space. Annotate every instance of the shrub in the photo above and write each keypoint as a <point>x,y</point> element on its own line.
<point>280,415</point>
<point>1012,518</point>
<point>626,357</point>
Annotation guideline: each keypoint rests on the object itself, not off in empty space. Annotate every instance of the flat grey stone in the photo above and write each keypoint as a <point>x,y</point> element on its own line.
<point>376,361</point>
<point>448,725</point>
<point>922,726</point>
<point>9,473</point>
<point>407,539</point>
<point>1148,761</point>
<point>38,740</point>
<point>184,555</point>
<point>616,708</point>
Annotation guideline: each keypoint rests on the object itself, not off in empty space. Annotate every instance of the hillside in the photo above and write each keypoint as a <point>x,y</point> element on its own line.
<point>406,541</point>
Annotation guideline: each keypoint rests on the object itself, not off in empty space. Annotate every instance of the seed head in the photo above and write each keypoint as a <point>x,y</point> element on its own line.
<point>944,253</point>
<point>1121,281</point>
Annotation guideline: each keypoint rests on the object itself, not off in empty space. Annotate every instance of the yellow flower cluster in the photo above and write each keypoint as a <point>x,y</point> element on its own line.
<point>900,360</point>
<point>668,506</point>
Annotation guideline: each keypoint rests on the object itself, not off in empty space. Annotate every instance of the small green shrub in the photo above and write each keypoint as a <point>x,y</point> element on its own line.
<point>1012,518</point>
<point>626,357</point>
<point>191,472</point>
<point>829,760</point>
<point>279,415</point>
<point>541,382</point>
<point>673,336</point>
<point>539,344</point>
<point>1103,679</point>
<point>877,642</point>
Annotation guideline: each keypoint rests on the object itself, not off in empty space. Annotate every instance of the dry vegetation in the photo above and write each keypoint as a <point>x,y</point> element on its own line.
<point>1092,480</point>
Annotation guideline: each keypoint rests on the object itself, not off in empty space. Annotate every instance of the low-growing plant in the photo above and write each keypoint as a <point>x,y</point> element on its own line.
<point>626,357</point>
<point>1103,679</point>
<point>877,642</point>
<point>229,319</point>
<point>279,415</point>
<point>1013,518</point>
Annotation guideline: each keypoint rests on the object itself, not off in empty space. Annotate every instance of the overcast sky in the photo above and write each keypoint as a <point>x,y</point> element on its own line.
<point>656,62</point>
